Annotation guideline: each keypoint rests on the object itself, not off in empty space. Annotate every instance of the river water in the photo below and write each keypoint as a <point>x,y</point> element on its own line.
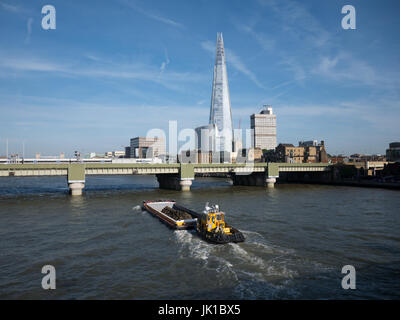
<point>103,246</point>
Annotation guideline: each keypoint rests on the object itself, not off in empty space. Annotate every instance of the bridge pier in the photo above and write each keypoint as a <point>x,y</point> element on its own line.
<point>185,184</point>
<point>75,188</point>
<point>76,178</point>
<point>253,179</point>
<point>181,181</point>
<point>270,182</point>
<point>174,182</point>
<point>267,178</point>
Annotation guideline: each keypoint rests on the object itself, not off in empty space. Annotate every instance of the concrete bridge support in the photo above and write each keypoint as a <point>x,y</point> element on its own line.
<point>75,188</point>
<point>181,181</point>
<point>254,179</point>
<point>76,178</point>
<point>168,181</point>
<point>174,182</point>
<point>266,178</point>
<point>270,182</point>
<point>185,184</point>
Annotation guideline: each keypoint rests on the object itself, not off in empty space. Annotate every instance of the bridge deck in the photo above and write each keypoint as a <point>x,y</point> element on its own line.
<point>57,169</point>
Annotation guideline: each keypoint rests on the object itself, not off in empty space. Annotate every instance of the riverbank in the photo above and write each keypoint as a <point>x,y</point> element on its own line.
<point>306,180</point>
<point>367,184</point>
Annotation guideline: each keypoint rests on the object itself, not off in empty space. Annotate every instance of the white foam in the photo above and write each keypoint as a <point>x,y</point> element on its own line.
<point>137,208</point>
<point>200,250</point>
<point>265,288</point>
<point>251,232</point>
<point>280,271</point>
<point>195,247</point>
<point>257,261</point>
<point>225,267</point>
<point>183,236</point>
<point>258,240</point>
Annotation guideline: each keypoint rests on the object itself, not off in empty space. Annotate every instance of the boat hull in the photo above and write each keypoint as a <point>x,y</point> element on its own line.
<point>221,238</point>
<point>155,207</point>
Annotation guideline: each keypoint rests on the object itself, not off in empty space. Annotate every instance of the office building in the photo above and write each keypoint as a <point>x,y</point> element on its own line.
<point>393,153</point>
<point>304,153</point>
<point>127,152</point>
<point>206,138</point>
<point>264,129</point>
<point>142,147</point>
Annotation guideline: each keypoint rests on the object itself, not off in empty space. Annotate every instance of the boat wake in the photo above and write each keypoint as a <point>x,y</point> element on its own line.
<point>207,257</point>
<point>254,268</point>
<point>244,255</point>
<point>254,239</point>
<point>192,246</point>
<point>254,257</point>
<point>263,270</point>
<point>137,208</point>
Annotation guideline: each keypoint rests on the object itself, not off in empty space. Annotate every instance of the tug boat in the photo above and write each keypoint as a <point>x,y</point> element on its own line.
<point>212,227</point>
<point>210,224</point>
<point>168,213</point>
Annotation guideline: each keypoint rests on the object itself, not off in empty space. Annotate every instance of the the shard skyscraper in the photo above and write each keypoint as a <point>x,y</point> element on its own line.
<point>220,111</point>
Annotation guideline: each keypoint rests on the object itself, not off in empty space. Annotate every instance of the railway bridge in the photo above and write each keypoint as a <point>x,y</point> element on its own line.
<point>177,176</point>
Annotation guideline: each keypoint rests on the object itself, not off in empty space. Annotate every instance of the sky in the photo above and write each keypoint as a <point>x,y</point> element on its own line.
<point>113,70</point>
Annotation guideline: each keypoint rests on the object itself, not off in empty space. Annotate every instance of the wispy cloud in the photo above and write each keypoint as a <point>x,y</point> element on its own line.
<point>347,69</point>
<point>172,80</point>
<point>28,30</point>
<point>299,26</point>
<point>93,57</point>
<point>298,22</point>
<point>9,7</point>
<point>239,65</point>
<point>367,113</point>
<point>294,66</point>
<point>363,112</point>
<point>37,109</point>
<point>208,46</point>
<point>344,67</point>
<point>152,15</point>
<point>267,43</point>
<point>235,61</point>
<point>30,64</point>
<point>164,63</point>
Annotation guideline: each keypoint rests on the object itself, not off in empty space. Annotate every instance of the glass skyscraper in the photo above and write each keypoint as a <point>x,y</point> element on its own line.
<point>220,111</point>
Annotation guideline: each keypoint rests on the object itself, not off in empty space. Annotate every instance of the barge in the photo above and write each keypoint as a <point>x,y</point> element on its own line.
<point>168,213</point>
<point>210,224</point>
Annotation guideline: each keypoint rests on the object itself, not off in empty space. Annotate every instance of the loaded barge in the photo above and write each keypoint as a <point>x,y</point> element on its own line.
<point>168,213</point>
<point>210,224</point>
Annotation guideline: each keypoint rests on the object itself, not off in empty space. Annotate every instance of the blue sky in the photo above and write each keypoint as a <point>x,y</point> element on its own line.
<point>112,70</point>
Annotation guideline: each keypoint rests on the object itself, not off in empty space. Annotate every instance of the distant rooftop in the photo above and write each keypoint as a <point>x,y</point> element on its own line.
<point>287,144</point>
<point>267,109</point>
